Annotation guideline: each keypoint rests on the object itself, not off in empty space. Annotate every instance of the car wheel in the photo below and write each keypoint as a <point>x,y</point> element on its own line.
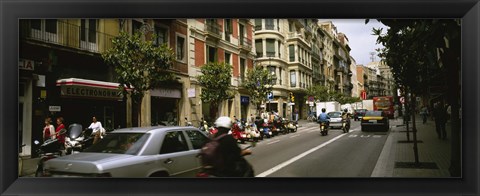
<point>363,128</point>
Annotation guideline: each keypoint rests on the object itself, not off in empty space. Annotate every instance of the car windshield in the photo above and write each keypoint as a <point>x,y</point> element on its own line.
<point>334,114</point>
<point>373,113</point>
<point>120,143</point>
<point>360,111</point>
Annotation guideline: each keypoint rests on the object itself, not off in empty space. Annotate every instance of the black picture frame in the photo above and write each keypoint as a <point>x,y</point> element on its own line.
<point>11,11</point>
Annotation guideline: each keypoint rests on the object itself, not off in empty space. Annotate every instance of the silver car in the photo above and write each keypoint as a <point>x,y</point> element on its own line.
<point>335,119</point>
<point>135,152</point>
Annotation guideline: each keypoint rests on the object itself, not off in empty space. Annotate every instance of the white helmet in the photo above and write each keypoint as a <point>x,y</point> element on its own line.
<point>224,122</point>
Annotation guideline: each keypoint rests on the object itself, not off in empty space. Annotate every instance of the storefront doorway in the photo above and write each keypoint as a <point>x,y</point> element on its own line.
<point>164,111</point>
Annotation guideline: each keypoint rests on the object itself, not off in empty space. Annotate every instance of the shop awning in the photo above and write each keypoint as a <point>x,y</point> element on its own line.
<point>83,88</point>
<point>89,83</point>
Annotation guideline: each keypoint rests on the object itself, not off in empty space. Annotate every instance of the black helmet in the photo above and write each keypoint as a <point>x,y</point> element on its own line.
<point>323,109</point>
<point>345,110</point>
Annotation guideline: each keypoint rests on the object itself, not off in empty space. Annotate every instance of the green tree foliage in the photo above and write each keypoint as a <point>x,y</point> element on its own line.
<point>216,81</point>
<point>422,52</point>
<point>257,83</point>
<point>319,92</point>
<point>139,65</point>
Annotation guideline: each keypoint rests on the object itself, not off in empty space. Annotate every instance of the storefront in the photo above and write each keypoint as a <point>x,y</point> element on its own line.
<point>81,99</point>
<point>165,104</point>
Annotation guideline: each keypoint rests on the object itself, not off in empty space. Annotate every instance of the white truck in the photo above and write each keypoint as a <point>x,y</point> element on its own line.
<point>330,106</point>
<point>367,104</point>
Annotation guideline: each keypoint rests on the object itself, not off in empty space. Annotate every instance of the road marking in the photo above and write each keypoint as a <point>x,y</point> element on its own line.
<point>352,135</point>
<point>294,136</point>
<point>377,136</point>
<point>286,163</point>
<point>273,142</point>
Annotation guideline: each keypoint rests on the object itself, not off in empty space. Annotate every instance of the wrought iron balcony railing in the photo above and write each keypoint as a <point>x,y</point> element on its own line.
<point>67,35</point>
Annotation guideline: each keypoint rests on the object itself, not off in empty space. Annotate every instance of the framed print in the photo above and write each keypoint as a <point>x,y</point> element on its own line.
<point>331,98</point>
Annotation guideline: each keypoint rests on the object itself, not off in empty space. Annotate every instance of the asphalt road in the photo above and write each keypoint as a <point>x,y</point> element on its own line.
<point>308,154</point>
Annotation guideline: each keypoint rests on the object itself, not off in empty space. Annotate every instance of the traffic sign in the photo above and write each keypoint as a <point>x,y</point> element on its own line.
<point>270,96</point>
<point>363,95</point>
<point>311,98</point>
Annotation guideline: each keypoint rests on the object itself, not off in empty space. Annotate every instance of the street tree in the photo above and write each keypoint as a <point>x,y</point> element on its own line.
<point>436,45</point>
<point>216,81</point>
<point>318,91</point>
<point>139,65</point>
<point>258,85</point>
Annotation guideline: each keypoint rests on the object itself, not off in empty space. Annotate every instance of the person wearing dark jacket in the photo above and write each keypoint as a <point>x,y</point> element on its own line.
<point>234,165</point>
<point>440,114</point>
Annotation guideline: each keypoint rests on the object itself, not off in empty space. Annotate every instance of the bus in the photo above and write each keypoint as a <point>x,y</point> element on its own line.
<point>384,103</point>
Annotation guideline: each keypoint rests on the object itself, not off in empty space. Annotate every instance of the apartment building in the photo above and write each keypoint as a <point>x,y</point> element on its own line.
<point>62,74</point>
<point>288,49</point>
<point>220,40</point>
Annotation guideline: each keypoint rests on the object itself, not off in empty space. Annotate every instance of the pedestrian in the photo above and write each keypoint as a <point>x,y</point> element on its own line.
<point>234,165</point>
<point>424,113</point>
<point>440,120</point>
<point>48,130</point>
<point>97,129</point>
<point>449,112</point>
<point>61,137</point>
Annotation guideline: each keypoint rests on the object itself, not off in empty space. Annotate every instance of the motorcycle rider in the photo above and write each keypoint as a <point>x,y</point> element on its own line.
<point>323,117</point>
<point>234,163</point>
<point>346,116</point>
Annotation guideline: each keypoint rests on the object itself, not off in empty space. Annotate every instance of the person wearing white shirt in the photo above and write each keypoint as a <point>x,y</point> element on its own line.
<point>97,129</point>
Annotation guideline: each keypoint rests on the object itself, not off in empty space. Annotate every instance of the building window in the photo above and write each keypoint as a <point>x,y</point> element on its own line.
<point>161,34</point>
<point>136,25</point>
<point>228,28</point>
<point>259,47</point>
<point>51,26</point>
<point>270,47</point>
<point>269,25</point>
<point>290,27</point>
<point>258,24</point>
<point>211,54</point>
<point>242,69</point>
<point>291,52</point>
<point>272,72</point>
<point>228,57</point>
<point>279,49</point>
<point>180,48</point>
<point>88,30</point>
<point>36,24</point>
<point>293,78</point>
<point>280,76</point>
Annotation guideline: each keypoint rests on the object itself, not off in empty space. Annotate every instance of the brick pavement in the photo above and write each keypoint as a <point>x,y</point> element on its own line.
<point>431,150</point>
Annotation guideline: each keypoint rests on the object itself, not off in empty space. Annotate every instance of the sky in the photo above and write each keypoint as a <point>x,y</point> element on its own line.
<point>360,37</point>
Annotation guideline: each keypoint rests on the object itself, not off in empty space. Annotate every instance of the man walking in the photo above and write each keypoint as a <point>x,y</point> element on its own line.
<point>440,114</point>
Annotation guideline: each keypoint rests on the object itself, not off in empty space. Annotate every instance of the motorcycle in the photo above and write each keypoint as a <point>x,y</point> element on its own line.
<point>208,171</point>
<point>50,149</point>
<point>77,139</point>
<point>266,130</point>
<point>278,123</point>
<point>252,133</point>
<point>291,126</point>
<point>238,132</point>
<point>324,128</point>
<point>345,125</point>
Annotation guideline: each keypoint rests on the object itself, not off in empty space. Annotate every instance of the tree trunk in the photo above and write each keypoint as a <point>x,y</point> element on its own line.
<point>407,113</point>
<point>414,129</point>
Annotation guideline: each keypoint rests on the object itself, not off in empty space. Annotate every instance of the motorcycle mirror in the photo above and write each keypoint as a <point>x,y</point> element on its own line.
<point>36,142</point>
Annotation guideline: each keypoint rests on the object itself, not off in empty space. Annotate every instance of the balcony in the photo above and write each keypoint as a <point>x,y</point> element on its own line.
<point>213,29</point>
<point>68,35</point>
<point>245,43</point>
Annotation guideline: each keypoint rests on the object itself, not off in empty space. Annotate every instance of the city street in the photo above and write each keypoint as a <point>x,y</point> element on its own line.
<point>308,154</point>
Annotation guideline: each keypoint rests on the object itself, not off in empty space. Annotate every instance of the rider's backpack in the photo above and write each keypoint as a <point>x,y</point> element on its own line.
<point>210,154</point>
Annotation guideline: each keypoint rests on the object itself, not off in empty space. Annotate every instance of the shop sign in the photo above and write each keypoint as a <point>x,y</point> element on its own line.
<point>90,92</point>
<point>191,92</point>
<point>168,93</point>
<point>54,108</point>
<point>244,100</point>
<point>26,64</point>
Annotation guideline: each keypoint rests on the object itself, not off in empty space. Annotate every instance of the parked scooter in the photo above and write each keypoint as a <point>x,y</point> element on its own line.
<point>50,149</point>
<point>203,126</point>
<point>279,125</point>
<point>266,130</point>
<point>252,133</point>
<point>238,132</point>
<point>77,139</point>
<point>291,126</point>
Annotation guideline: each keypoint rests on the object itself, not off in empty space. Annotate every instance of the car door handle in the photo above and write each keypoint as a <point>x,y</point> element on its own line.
<point>168,161</point>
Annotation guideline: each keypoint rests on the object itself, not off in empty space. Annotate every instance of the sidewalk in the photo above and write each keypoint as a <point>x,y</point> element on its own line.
<point>431,152</point>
